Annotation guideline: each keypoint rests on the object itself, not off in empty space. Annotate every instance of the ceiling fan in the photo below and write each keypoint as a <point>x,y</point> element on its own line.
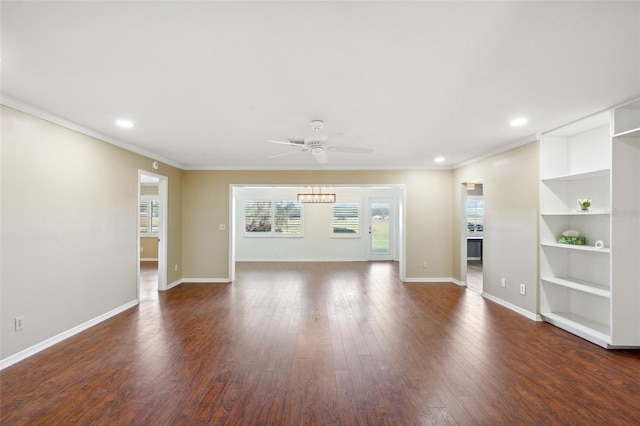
<point>318,145</point>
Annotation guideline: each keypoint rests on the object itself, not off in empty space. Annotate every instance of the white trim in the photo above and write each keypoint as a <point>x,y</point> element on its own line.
<point>437,280</point>
<point>508,147</point>
<point>513,307</point>
<point>323,259</point>
<point>148,259</point>
<point>174,284</point>
<point>37,112</point>
<point>460,283</point>
<point>26,353</point>
<point>315,167</point>
<point>206,281</point>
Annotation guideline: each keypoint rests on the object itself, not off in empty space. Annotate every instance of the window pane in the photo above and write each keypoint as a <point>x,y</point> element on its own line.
<point>288,217</point>
<point>346,218</point>
<point>257,216</point>
<point>475,215</point>
<point>144,217</point>
<point>155,216</point>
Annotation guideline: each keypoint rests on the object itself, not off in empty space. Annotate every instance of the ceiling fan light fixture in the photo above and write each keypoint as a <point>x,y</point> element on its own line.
<point>320,154</point>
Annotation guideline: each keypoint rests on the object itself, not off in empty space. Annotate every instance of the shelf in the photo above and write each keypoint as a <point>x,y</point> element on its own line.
<point>578,213</point>
<point>579,176</point>
<point>583,327</point>
<point>629,134</point>
<point>576,247</point>
<point>580,285</point>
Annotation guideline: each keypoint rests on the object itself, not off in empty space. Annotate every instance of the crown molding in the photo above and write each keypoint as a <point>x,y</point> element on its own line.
<point>19,105</point>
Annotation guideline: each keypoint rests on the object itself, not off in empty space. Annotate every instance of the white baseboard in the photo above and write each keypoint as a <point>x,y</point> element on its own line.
<point>458,282</point>
<point>26,353</point>
<point>331,259</point>
<point>148,259</point>
<point>174,284</point>
<point>206,280</point>
<point>513,307</point>
<point>442,280</point>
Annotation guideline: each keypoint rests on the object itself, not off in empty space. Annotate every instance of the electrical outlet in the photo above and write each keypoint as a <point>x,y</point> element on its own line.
<point>503,282</point>
<point>175,268</point>
<point>19,322</point>
<point>424,265</point>
<point>141,249</point>
<point>523,289</point>
<point>222,227</point>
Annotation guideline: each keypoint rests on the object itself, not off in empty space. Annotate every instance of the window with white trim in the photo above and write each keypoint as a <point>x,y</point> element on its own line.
<point>288,217</point>
<point>272,218</point>
<point>345,221</point>
<point>149,216</point>
<point>475,215</point>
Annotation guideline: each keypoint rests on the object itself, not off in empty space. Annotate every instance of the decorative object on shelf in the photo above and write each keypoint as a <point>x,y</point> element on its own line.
<point>584,204</point>
<point>572,237</point>
<point>599,244</point>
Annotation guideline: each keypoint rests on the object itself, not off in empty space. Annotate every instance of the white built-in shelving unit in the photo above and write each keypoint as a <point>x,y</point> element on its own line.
<point>589,291</point>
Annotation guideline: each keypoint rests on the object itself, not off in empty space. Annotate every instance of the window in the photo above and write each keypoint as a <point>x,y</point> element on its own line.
<point>288,217</point>
<point>149,216</point>
<point>346,220</point>
<point>257,216</point>
<point>475,216</point>
<point>272,218</point>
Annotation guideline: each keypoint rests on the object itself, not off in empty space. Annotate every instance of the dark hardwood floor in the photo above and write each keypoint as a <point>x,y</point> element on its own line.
<point>322,344</point>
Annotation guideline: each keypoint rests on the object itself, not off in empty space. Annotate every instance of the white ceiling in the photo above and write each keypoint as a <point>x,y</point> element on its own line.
<point>207,83</point>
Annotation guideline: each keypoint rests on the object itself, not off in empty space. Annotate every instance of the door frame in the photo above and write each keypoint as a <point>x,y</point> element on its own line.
<point>163,196</point>
<point>392,228</point>
<point>399,203</point>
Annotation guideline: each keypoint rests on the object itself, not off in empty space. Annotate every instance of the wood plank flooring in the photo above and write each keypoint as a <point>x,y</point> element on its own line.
<point>322,344</point>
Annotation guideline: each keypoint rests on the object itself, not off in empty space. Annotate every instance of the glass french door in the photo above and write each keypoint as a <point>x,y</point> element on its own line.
<point>381,229</point>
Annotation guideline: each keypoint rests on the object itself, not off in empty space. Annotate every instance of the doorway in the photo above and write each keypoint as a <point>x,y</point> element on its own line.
<point>381,218</point>
<point>152,232</point>
<point>389,244</point>
<point>473,234</point>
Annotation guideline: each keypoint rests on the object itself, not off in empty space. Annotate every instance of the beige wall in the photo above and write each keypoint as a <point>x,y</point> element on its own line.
<point>149,248</point>
<point>47,275</point>
<point>510,223</point>
<point>206,205</point>
<point>49,172</point>
<point>149,190</point>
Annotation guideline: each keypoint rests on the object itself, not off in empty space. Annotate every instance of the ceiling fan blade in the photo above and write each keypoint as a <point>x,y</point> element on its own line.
<point>339,137</point>
<point>286,153</point>
<point>351,149</point>
<point>288,142</point>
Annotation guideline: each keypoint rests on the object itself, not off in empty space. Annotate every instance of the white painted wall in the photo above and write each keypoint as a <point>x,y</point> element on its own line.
<point>317,242</point>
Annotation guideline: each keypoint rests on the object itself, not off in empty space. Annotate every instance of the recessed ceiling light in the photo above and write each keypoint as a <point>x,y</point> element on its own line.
<point>124,123</point>
<point>518,121</point>
<point>439,159</point>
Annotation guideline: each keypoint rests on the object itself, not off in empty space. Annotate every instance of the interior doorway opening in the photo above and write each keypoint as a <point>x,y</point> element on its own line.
<point>473,234</point>
<point>327,234</point>
<point>152,232</point>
